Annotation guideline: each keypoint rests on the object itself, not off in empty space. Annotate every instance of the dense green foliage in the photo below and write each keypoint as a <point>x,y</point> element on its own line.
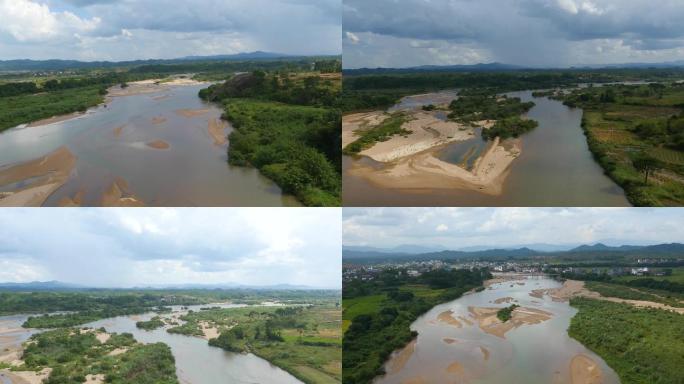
<point>641,345</point>
<point>636,133</point>
<point>631,293</point>
<point>382,132</point>
<point>303,340</point>
<point>286,126</point>
<point>151,324</point>
<point>487,107</point>
<point>509,127</point>
<point>378,314</point>
<point>73,354</point>
<point>505,314</point>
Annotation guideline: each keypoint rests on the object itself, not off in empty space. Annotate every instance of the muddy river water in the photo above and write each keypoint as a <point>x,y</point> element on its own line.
<point>448,351</point>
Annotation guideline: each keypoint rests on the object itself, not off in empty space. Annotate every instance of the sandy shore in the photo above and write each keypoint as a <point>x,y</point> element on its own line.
<point>209,330</point>
<point>427,131</point>
<point>400,358</point>
<point>217,132</point>
<point>425,171</point>
<point>55,119</point>
<point>584,370</point>
<point>119,195</point>
<point>26,377</point>
<point>149,86</point>
<point>43,176</point>
<point>158,144</point>
<point>572,288</point>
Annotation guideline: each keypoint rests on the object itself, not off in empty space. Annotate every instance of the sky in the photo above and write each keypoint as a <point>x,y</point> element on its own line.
<point>456,228</point>
<point>117,30</point>
<point>119,247</point>
<point>535,33</point>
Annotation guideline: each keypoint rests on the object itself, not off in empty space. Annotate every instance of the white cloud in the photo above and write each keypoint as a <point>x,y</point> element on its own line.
<point>353,38</point>
<point>442,228</point>
<point>28,21</point>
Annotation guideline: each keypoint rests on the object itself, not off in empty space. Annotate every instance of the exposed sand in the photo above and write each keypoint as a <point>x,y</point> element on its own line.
<point>446,317</point>
<point>358,122</point>
<point>490,323</point>
<point>465,320</point>
<point>572,288</point>
<point>503,277</point>
<point>94,379</point>
<point>414,380</point>
<point>191,112</point>
<point>399,359</point>
<point>449,340</point>
<point>427,131</point>
<point>51,171</point>
<point>118,195</point>
<point>158,144</point>
<point>117,351</point>
<point>217,131</point>
<point>54,119</point>
<point>584,370</point>
<point>425,171</point>
<point>455,367</point>
<point>210,331</point>
<point>148,86</point>
<point>118,130</point>
<point>102,337</point>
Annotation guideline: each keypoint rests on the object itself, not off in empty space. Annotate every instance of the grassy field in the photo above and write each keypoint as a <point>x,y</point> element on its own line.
<point>641,345</point>
<point>624,124</point>
<point>634,293</point>
<point>305,341</point>
<point>382,132</point>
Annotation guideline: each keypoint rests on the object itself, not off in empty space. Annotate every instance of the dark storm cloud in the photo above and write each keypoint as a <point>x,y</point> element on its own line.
<point>528,32</point>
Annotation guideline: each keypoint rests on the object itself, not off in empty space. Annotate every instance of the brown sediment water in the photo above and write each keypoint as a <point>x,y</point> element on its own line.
<point>167,144</point>
<point>552,166</point>
<point>532,347</point>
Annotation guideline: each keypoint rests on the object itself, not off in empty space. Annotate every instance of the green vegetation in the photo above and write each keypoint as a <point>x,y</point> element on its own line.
<point>468,108</point>
<point>382,132</point>
<point>303,340</point>
<point>285,125</point>
<point>150,325</point>
<point>377,314</point>
<point>509,127</point>
<point>641,345</point>
<point>505,314</point>
<point>636,133</point>
<point>72,354</point>
<point>635,293</point>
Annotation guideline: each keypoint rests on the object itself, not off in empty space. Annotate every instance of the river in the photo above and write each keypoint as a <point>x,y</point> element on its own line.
<point>554,169</point>
<point>196,361</point>
<point>110,142</point>
<point>532,353</point>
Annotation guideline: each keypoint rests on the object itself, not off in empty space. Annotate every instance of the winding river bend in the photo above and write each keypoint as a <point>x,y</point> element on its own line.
<point>456,349</point>
<point>196,361</point>
<point>154,148</point>
<point>555,167</point>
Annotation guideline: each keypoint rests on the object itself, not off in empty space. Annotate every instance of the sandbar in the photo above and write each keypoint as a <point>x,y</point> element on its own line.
<point>216,129</point>
<point>490,323</point>
<point>584,370</point>
<point>354,123</point>
<point>446,317</point>
<point>49,172</point>
<point>400,358</point>
<point>158,144</point>
<point>191,112</point>
<point>119,195</point>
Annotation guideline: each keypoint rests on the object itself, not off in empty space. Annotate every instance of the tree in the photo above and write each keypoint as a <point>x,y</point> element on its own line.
<point>646,164</point>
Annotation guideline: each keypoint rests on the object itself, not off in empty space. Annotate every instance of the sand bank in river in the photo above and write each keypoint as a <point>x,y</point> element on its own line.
<point>191,112</point>
<point>148,86</point>
<point>158,120</point>
<point>490,323</point>
<point>119,195</point>
<point>584,370</point>
<point>427,131</point>
<point>42,176</point>
<point>572,288</point>
<point>425,171</point>
<point>158,144</point>
<point>399,359</point>
<point>209,331</point>
<point>447,317</point>
<point>217,131</point>
<point>356,122</point>
<point>26,377</point>
<point>54,119</point>
<point>502,300</point>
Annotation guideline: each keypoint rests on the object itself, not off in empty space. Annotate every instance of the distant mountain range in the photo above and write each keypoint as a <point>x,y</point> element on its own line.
<point>60,286</point>
<point>530,251</point>
<point>496,67</point>
<point>56,65</point>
